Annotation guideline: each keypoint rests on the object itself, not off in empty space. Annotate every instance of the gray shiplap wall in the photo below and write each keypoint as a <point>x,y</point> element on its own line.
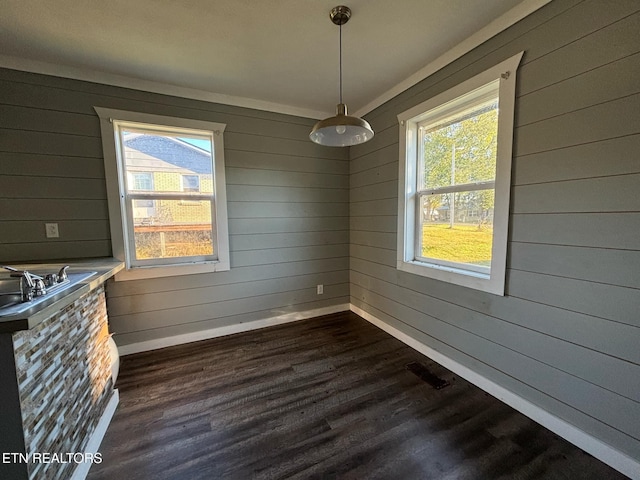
<point>288,206</point>
<point>566,336</point>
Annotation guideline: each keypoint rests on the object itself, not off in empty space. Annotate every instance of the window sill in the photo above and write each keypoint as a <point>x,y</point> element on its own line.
<point>141,273</point>
<point>457,276</point>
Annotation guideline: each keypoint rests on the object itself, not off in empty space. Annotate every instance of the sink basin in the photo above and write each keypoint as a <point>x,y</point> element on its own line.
<point>9,291</point>
<point>11,299</point>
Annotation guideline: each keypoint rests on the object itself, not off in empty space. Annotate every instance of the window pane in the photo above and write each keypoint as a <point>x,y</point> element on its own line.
<point>460,149</point>
<point>190,183</point>
<point>161,162</point>
<point>142,181</point>
<point>173,229</point>
<point>457,227</point>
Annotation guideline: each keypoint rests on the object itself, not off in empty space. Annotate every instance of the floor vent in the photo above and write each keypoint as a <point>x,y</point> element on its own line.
<point>424,373</point>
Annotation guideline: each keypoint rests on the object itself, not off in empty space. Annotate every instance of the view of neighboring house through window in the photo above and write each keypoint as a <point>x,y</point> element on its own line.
<point>169,187</point>
<point>173,167</point>
<point>455,174</point>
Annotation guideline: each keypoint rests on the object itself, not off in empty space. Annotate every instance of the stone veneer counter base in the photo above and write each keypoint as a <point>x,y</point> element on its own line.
<point>56,387</point>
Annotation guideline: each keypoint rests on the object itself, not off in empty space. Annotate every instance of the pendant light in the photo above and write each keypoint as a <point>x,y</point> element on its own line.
<point>342,130</point>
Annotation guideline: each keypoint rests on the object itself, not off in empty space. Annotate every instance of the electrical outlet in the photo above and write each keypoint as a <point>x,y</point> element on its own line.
<point>320,289</point>
<point>51,230</point>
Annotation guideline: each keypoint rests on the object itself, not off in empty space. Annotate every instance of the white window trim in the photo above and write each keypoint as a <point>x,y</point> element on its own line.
<point>115,198</point>
<point>409,120</point>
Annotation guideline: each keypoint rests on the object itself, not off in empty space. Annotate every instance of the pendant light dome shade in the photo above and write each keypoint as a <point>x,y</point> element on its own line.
<point>342,130</point>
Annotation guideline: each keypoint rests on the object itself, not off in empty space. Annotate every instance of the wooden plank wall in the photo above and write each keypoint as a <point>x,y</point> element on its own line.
<point>287,204</point>
<point>566,336</point>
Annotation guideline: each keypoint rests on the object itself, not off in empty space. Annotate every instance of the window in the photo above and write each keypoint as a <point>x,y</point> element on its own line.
<point>166,189</point>
<point>455,172</point>
<point>190,183</point>
<point>142,182</point>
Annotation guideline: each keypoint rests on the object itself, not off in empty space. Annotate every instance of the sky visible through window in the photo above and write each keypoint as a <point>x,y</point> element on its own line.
<point>196,142</point>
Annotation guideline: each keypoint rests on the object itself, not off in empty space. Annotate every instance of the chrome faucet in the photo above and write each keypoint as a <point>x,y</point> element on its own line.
<point>62,274</point>
<point>31,285</point>
<point>27,287</point>
<point>39,287</point>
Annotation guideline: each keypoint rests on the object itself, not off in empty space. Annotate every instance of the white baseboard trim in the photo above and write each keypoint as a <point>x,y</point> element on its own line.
<point>81,471</point>
<point>228,330</point>
<point>604,452</point>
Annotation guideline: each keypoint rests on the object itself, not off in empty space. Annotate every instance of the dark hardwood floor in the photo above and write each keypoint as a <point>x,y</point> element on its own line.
<point>327,398</point>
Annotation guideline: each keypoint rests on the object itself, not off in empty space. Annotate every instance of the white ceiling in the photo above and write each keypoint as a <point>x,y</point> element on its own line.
<point>279,55</point>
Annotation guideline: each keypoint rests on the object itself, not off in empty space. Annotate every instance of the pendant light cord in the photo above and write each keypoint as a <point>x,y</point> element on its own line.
<point>340,63</point>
